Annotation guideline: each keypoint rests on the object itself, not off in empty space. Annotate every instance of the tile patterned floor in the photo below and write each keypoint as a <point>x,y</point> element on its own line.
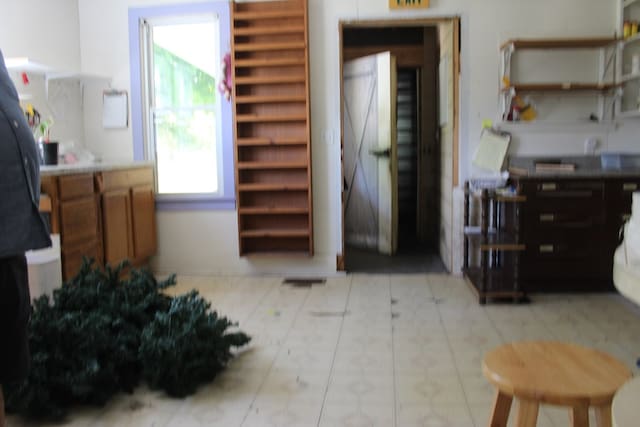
<point>368,350</point>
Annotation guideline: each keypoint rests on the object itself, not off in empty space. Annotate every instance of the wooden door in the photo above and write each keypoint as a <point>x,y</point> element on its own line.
<point>143,216</point>
<point>116,220</point>
<point>370,152</point>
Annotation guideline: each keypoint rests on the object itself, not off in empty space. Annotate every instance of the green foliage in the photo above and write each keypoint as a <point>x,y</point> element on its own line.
<point>102,333</point>
<point>190,339</point>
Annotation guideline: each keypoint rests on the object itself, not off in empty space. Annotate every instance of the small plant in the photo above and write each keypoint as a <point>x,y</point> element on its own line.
<point>42,130</point>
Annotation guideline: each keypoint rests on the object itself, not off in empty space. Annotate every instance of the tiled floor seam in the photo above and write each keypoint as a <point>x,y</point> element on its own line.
<point>264,380</point>
<point>335,353</point>
<point>458,374</point>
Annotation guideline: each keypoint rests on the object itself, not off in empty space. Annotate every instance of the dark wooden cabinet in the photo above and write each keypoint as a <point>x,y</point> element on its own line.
<point>570,228</point>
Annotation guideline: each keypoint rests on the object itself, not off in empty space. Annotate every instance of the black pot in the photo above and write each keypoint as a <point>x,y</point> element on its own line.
<point>50,153</point>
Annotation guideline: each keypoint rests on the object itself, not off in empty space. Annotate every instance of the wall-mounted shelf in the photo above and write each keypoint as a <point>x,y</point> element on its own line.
<point>628,102</point>
<point>273,150</point>
<point>602,88</point>
<point>581,43</point>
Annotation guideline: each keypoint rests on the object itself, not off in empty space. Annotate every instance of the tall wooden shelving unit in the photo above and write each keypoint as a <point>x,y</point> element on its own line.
<point>270,64</point>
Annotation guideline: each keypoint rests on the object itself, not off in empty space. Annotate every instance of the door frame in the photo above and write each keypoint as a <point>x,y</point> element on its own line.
<point>455,79</point>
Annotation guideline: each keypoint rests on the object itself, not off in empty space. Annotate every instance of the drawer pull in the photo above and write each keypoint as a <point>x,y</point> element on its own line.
<point>626,217</point>
<point>547,217</point>
<point>629,186</point>
<point>548,186</point>
<point>545,249</point>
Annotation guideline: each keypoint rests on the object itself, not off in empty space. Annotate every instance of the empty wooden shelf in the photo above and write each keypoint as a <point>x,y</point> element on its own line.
<point>272,133</point>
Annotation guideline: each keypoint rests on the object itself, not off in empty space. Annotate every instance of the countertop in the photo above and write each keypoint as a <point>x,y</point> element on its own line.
<point>67,169</point>
<point>621,166</point>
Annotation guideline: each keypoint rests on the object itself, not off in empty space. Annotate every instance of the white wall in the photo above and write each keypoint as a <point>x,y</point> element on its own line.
<point>206,242</point>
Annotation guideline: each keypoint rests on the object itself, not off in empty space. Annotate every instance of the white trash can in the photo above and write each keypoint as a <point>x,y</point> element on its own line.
<point>45,269</point>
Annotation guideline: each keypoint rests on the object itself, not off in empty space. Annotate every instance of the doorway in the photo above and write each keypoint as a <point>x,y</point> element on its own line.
<point>414,157</point>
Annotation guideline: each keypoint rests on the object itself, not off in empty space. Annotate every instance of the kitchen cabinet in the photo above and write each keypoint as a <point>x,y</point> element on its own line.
<point>75,215</point>
<point>570,226</point>
<point>128,214</point>
<point>272,127</point>
<point>107,215</point>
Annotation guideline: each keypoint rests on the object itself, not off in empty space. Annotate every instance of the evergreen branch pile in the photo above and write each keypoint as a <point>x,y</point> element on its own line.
<point>102,334</point>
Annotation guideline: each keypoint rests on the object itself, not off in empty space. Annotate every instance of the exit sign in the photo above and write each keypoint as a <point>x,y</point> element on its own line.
<point>408,4</point>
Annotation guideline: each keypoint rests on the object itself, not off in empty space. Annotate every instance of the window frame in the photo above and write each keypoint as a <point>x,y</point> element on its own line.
<point>226,200</point>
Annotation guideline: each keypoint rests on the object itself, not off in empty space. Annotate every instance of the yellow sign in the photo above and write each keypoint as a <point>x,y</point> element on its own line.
<point>408,4</point>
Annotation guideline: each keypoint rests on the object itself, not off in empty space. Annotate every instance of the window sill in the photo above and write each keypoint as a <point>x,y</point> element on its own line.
<point>173,203</point>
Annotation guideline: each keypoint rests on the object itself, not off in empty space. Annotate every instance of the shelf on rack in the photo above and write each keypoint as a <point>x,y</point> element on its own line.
<point>284,232</point>
<point>269,14</point>
<point>273,187</point>
<point>272,165</point>
<point>255,118</point>
<point>581,43</point>
<point>265,99</point>
<point>273,211</point>
<point>498,283</point>
<point>268,62</point>
<point>551,126</point>
<point>270,80</point>
<point>255,142</point>
<point>499,241</point>
<point>262,30</point>
<point>560,87</point>
<point>261,47</point>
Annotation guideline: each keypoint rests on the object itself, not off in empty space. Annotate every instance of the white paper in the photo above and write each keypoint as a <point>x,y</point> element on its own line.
<point>115,110</point>
<point>491,151</point>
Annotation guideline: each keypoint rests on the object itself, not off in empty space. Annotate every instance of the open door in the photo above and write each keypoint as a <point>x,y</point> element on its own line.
<point>370,153</point>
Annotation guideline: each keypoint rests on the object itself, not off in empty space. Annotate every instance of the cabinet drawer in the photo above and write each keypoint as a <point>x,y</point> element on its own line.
<point>79,220</point>
<point>562,217</point>
<point>73,186</point>
<point>72,257</point>
<point>114,180</point>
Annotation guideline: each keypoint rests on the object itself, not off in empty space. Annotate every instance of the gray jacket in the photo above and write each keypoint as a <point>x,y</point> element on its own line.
<point>21,226</point>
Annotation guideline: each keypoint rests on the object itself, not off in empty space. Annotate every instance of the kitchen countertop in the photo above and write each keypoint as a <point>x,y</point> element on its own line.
<point>67,169</point>
<point>585,166</point>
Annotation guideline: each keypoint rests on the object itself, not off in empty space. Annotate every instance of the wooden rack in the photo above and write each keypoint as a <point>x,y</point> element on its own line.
<point>272,128</point>
<point>495,275</point>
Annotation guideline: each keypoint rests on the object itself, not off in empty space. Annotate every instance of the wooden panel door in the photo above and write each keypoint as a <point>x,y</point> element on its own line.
<point>370,152</point>
<point>116,220</point>
<point>143,215</point>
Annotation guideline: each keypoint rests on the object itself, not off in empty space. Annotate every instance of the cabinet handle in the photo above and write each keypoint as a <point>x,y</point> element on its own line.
<point>547,217</point>
<point>625,217</point>
<point>629,186</point>
<point>545,249</point>
<point>548,186</point>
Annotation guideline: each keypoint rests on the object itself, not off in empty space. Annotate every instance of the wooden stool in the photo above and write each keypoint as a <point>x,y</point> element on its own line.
<point>556,373</point>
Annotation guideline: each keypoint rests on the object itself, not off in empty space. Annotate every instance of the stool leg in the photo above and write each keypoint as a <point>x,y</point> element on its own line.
<point>579,416</point>
<point>501,408</point>
<point>603,415</point>
<point>527,413</point>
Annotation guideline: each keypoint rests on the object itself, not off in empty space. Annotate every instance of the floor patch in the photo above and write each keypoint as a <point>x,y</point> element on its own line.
<point>303,282</point>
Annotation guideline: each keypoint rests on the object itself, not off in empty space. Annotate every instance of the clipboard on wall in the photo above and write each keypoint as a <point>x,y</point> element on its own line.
<point>115,109</point>
<point>491,150</point>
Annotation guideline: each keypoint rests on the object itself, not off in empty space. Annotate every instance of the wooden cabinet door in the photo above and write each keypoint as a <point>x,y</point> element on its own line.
<point>143,214</point>
<point>116,221</point>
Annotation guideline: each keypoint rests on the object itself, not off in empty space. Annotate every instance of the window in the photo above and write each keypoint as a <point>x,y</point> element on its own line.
<point>180,120</point>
